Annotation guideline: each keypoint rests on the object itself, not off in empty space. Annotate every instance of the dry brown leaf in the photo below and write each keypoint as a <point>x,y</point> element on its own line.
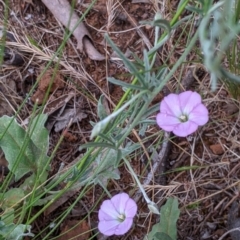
<point>69,115</point>
<point>44,82</point>
<point>61,10</point>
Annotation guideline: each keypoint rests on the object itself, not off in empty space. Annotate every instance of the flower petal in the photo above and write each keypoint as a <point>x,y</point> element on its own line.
<point>124,226</point>
<point>167,122</point>
<point>130,208</point>
<point>199,115</point>
<point>185,129</point>
<point>107,211</point>
<point>108,228</point>
<point>188,101</point>
<point>119,202</point>
<point>170,105</point>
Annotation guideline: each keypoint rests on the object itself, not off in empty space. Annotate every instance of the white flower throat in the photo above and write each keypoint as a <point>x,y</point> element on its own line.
<point>121,217</point>
<point>183,118</point>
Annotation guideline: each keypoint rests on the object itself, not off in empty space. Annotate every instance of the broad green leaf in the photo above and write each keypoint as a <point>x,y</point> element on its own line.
<point>33,180</point>
<point>38,133</point>
<point>167,226</point>
<point>8,216</point>
<point>14,232</point>
<point>20,151</point>
<point>169,216</point>
<point>161,236</point>
<point>12,198</point>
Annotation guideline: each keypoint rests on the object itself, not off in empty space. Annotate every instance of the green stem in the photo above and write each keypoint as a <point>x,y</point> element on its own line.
<point>159,88</point>
<point>173,21</point>
<point>137,180</point>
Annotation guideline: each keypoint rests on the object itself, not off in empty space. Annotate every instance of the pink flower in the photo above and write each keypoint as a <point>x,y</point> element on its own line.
<point>182,113</point>
<point>116,215</point>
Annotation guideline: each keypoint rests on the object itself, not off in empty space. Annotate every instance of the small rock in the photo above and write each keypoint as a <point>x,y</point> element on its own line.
<point>217,149</point>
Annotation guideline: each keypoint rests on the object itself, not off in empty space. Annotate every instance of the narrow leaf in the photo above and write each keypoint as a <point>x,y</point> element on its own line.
<point>102,113</point>
<point>127,63</point>
<point>97,144</point>
<point>124,84</point>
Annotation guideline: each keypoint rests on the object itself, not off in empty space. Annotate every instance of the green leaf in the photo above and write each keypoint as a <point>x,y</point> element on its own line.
<point>20,151</point>
<point>126,61</point>
<point>14,232</point>
<point>96,145</point>
<point>100,126</point>
<point>169,216</point>
<point>167,226</point>
<point>8,216</point>
<point>124,84</point>
<point>161,236</point>
<point>34,180</point>
<point>12,198</point>
<point>107,165</point>
<point>102,113</point>
<point>39,134</point>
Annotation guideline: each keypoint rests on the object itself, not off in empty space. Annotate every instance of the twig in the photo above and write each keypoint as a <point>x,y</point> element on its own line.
<point>230,231</point>
<point>159,164</point>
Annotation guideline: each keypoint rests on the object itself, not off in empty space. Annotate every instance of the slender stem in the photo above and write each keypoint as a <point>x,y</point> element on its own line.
<point>137,180</point>
<point>173,21</point>
<point>159,88</point>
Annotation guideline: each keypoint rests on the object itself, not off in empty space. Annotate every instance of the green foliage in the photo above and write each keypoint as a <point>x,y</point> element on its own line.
<point>14,232</point>
<point>217,30</point>
<point>102,113</point>
<point>23,152</point>
<point>166,228</point>
<point>161,236</point>
<point>12,197</point>
<point>26,152</point>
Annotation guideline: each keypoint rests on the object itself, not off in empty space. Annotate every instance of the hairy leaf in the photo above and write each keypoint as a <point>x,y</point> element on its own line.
<point>14,232</point>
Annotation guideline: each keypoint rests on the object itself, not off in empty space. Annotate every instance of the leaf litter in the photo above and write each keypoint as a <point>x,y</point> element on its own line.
<point>62,10</point>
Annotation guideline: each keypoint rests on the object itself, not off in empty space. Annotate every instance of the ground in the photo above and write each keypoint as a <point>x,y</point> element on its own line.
<point>202,170</point>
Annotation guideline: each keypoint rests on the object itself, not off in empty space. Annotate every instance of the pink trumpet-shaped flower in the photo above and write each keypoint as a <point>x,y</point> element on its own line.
<point>182,113</point>
<point>116,215</point>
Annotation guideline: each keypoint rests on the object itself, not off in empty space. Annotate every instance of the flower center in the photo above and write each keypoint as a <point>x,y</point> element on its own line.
<point>183,118</point>
<point>121,217</point>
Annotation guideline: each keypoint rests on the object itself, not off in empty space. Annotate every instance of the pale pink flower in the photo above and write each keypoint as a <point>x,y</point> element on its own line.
<point>116,215</point>
<point>182,113</point>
